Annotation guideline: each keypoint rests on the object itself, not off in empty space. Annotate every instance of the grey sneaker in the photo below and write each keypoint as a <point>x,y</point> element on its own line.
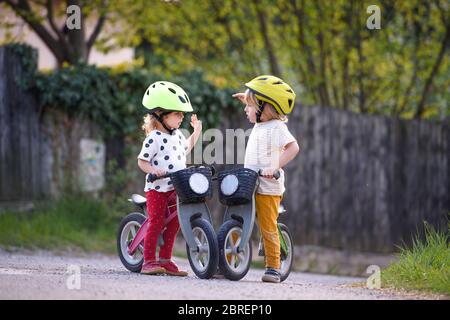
<point>271,275</point>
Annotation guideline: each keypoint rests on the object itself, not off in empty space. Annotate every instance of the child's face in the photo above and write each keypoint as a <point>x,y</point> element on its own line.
<point>250,111</point>
<point>174,119</point>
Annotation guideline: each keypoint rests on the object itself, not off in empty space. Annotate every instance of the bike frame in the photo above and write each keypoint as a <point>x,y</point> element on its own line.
<point>244,213</point>
<point>186,214</point>
<point>139,238</point>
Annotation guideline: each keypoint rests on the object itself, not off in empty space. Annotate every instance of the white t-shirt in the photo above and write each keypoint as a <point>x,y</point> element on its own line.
<point>164,151</point>
<point>265,145</point>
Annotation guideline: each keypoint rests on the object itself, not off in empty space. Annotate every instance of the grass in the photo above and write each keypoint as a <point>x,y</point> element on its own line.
<point>71,222</point>
<point>423,267</point>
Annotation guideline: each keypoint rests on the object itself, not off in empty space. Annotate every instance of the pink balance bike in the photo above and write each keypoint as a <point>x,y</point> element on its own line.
<point>192,186</point>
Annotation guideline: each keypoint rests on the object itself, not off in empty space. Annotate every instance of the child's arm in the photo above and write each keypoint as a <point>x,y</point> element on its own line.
<point>289,153</point>
<point>148,168</point>
<point>192,140</point>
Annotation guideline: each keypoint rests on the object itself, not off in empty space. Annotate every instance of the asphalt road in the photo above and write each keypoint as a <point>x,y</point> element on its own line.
<point>44,275</point>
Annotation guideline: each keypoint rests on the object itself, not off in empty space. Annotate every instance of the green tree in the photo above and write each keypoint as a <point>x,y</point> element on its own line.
<point>46,19</point>
<point>323,47</point>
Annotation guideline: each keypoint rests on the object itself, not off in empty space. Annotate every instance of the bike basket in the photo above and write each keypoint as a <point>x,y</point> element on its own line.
<point>192,184</point>
<point>236,186</point>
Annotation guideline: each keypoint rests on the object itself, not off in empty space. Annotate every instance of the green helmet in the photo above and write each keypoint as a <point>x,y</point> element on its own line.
<point>164,95</point>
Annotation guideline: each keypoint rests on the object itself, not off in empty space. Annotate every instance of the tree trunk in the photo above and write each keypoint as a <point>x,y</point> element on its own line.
<point>346,79</point>
<point>299,13</point>
<point>420,108</point>
<point>273,61</point>
<point>69,46</point>
<point>361,60</point>
<point>77,39</point>
<point>322,62</point>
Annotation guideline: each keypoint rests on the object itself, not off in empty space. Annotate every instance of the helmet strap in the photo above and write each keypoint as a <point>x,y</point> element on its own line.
<point>260,111</point>
<point>161,120</point>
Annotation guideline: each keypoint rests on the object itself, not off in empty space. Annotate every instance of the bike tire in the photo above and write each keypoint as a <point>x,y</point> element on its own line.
<point>224,266</point>
<point>289,259</point>
<point>131,219</point>
<point>210,268</point>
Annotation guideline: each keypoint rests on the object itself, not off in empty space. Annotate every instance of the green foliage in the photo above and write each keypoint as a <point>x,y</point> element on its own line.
<point>87,91</point>
<point>424,266</point>
<point>322,47</point>
<point>28,59</point>
<point>112,98</point>
<point>208,101</point>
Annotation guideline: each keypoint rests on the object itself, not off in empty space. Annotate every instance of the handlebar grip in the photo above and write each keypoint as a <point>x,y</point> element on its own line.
<point>276,174</point>
<point>153,177</point>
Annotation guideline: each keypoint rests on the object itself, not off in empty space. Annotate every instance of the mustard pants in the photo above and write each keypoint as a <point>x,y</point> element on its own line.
<point>266,216</point>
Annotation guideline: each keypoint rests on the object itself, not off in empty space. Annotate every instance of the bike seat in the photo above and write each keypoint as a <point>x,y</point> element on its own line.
<point>281,209</point>
<point>137,199</point>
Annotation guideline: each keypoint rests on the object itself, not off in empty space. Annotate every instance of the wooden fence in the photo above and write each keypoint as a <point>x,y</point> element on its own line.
<point>39,151</point>
<point>366,183</point>
<point>363,183</point>
<point>21,138</point>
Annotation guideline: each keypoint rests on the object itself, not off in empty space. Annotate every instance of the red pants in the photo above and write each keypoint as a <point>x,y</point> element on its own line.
<point>159,206</point>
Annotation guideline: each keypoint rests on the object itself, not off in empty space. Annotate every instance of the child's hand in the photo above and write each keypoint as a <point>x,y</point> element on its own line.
<point>240,96</point>
<point>195,123</point>
<point>157,171</point>
<point>268,172</point>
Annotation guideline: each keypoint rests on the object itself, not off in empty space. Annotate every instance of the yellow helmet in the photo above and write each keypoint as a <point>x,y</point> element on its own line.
<point>275,91</point>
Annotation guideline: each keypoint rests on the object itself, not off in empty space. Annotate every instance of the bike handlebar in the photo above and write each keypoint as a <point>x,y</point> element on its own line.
<point>153,177</point>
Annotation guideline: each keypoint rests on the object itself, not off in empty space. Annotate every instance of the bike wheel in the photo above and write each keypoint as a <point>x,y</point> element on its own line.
<point>288,258</point>
<point>127,230</point>
<point>233,265</point>
<point>204,260</point>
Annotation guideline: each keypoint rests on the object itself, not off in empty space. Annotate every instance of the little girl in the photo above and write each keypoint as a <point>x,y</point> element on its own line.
<point>164,150</point>
<point>270,147</point>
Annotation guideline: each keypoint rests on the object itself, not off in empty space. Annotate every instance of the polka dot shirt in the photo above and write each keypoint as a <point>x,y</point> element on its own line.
<point>164,151</point>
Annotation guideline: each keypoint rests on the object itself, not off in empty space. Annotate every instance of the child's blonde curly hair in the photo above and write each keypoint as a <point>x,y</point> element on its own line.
<point>149,124</point>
